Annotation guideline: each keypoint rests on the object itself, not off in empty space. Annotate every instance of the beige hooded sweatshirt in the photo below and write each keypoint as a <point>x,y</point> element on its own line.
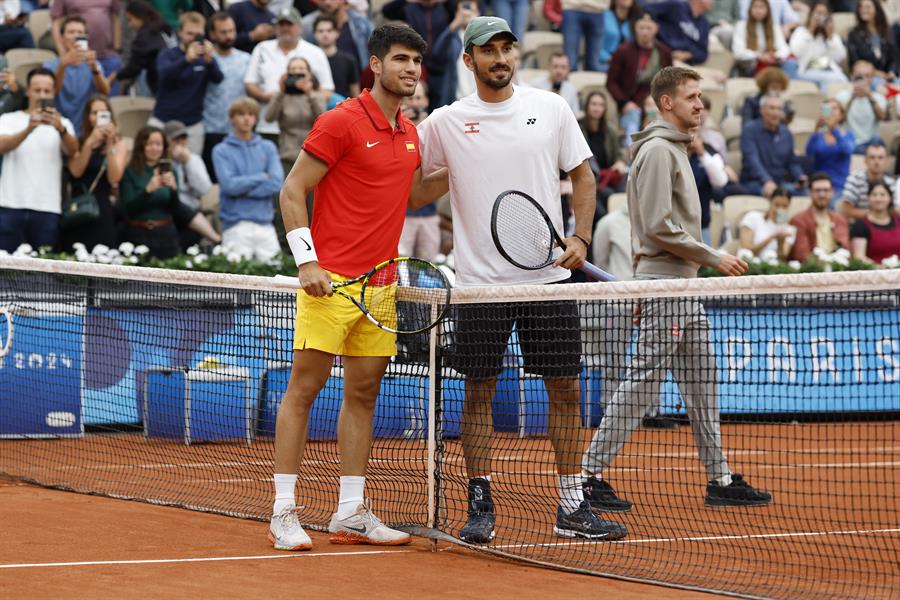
<point>664,205</point>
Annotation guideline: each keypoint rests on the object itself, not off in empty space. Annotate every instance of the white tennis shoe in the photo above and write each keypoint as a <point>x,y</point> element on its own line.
<point>286,533</point>
<point>363,527</point>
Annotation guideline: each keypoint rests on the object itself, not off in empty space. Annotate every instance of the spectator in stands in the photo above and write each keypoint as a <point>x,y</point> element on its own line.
<point>344,66</point>
<point>819,49</point>
<point>767,146</point>
<point>295,107</point>
<point>871,41</point>
<point>769,233</point>
<point>79,75</point>
<point>254,22</point>
<point>607,161</point>
<point>32,143</point>
<point>149,195</point>
<point>12,97</point>
<point>353,28</point>
<point>632,68</point>
<point>103,27</point>
<point>783,15</point>
<point>770,80</point>
<point>185,72</point>
<point>99,163</point>
<point>556,81</point>
<point>457,81</point>
<point>711,178</point>
<point>618,28</point>
<point>683,28</point>
<point>193,181</point>
<point>853,204</point>
<point>819,226</point>
<point>233,63</point>
<point>722,17</point>
<point>13,30</point>
<point>514,12</point>
<point>830,147</point>
<point>269,61</point>
<point>250,176</point>
<point>758,44</point>
<point>876,236</point>
<point>583,19</point>
<point>715,143</point>
<point>153,36</point>
<point>171,10</point>
<point>863,107</point>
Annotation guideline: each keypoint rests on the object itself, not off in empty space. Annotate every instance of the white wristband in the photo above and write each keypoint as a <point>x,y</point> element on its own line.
<point>300,241</point>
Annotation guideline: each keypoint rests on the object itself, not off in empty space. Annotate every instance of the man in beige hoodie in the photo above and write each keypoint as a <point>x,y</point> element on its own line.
<point>664,209</point>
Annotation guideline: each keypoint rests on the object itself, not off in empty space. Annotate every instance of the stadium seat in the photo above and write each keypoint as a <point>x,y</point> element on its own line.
<point>131,113</point>
<point>806,104</point>
<point>799,204</point>
<point>23,60</point>
<point>844,22</point>
<point>716,223</point>
<point>525,75</point>
<point>537,46</point>
<point>720,61</point>
<point>889,132</point>
<point>837,86</point>
<point>39,23</point>
<point>717,107</point>
<point>735,160</point>
<point>616,201</point>
<point>737,89</point>
<point>731,129</point>
<point>712,78</point>
<point>857,162</point>
<point>800,139</point>
<point>734,208</point>
<point>587,80</point>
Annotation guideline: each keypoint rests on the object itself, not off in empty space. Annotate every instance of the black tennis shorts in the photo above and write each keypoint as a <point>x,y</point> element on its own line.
<point>549,337</point>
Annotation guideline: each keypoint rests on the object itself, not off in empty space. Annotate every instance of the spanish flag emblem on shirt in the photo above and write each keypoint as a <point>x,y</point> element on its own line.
<point>410,147</point>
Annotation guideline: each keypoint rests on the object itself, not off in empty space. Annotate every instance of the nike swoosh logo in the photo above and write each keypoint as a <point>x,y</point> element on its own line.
<point>308,247</point>
<point>371,144</point>
<point>357,529</point>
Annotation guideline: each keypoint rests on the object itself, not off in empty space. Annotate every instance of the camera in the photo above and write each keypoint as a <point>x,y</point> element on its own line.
<point>81,43</point>
<point>199,39</point>
<point>47,103</point>
<point>290,84</point>
<point>103,118</point>
<point>164,166</point>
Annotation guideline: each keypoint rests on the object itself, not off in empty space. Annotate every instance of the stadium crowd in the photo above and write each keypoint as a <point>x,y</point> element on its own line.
<point>168,122</point>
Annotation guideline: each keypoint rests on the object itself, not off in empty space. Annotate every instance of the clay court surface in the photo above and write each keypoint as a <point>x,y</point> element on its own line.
<point>43,526</point>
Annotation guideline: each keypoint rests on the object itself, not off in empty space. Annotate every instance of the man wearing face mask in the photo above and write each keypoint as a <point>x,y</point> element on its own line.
<point>219,96</point>
<point>254,22</point>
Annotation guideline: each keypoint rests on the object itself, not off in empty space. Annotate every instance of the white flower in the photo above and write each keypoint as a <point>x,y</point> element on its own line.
<point>133,260</point>
<point>118,260</point>
<point>755,260</point>
<point>78,246</point>
<point>795,265</point>
<point>23,250</point>
<point>200,259</point>
<point>233,257</point>
<point>4,253</point>
<point>820,253</point>
<point>745,254</point>
<point>841,253</point>
<point>192,251</point>
<point>891,262</point>
<point>217,250</point>
<point>100,249</point>
<point>841,259</point>
<point>33,253</point>
<point>141,250</point>
<point>188,264</point>
<point>113,253</point>
<point>103,258</point>
<point>126,248</point>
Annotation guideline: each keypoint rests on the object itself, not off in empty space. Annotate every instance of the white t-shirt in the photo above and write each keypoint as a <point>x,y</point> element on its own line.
<point>32,173</point>
<point>762,228</point>
<point>519,144</point>
<point>268,63</point>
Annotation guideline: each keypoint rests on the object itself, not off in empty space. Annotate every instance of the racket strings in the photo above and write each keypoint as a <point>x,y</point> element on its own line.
<point>406,296</point>
<point>522,232</point>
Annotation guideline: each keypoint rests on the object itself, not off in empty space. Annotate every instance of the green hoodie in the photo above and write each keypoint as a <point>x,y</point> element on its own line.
<point>664,205</point>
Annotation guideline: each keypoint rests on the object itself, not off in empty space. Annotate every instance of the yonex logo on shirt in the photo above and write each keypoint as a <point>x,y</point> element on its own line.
<point>531,121</point>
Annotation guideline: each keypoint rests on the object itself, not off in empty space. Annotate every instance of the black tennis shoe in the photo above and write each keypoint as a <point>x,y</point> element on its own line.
<point>479,528</point>
<point>659,422</point>
<point>737,493</point>
<point>583,523</point>
<point>602,497</point>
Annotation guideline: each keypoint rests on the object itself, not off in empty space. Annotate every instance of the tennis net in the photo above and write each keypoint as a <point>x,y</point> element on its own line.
<point>163,386</point>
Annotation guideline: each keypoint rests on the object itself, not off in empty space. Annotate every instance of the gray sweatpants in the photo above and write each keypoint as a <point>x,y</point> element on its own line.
<point>673,335</point>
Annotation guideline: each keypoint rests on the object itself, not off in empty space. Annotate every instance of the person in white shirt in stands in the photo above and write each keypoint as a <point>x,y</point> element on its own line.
<point>556,81</point>
<point>854,202</point>
<point>32,143</point>
<point>819,49</point>
<point>269,62</point>
<point>506,137</point>
<point>768,234</point>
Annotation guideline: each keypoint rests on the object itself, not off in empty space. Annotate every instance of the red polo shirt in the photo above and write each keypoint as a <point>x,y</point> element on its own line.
<point>360,203</point>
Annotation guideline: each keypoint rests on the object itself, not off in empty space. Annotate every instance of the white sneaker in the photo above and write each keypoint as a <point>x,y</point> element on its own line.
<point>286,533</point>
<point>363,527</point>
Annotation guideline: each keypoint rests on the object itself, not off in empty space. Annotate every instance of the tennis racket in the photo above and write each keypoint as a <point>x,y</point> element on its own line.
<point>524,234</point>
<point>402,295</point>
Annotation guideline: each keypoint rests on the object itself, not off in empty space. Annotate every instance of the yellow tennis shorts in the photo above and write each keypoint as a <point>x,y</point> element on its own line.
<point>336,326</point>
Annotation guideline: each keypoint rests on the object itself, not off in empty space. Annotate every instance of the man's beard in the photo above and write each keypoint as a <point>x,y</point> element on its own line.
<point>225,46</point>
<point>487,79</point>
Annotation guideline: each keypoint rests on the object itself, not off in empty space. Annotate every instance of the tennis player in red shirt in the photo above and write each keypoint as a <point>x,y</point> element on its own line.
<point>362,158</point>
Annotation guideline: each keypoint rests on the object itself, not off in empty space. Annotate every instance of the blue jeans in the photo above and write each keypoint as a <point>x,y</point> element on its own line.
<point>23,226</point>
<point>514,12</point>
<point>576,24</point>
<point>630,122</point>
<point>754,188</point>
<point>823,78</point>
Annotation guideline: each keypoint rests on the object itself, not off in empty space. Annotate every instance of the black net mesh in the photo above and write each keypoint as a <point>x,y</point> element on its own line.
<point>168,394</point>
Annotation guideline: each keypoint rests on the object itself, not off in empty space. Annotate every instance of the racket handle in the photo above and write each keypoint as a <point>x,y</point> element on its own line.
<point>596,273</point>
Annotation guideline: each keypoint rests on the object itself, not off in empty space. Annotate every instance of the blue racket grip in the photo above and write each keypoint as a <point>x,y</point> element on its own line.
<point>596,273</point>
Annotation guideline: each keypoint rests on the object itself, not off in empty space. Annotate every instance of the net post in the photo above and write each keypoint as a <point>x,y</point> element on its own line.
<point>431,444</point>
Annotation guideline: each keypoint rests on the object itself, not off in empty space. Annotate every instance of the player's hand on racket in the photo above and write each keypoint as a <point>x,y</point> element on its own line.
<point>731,266</point>
<point>574,255</point>
<point>314,280</point>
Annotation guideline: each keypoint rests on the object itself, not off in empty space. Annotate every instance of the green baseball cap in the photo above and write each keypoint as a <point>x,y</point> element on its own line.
<point>291,15</point>
<point>481,29</point>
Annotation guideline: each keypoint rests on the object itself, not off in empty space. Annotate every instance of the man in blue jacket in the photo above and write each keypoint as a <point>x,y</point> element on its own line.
<point>184,72</point>
<point>683,27</point>
<point>767,148</point>
<point>250,177</point>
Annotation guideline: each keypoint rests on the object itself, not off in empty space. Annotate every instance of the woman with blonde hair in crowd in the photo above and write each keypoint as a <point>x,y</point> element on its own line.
<point>757,43</point>
<point>97,168</point>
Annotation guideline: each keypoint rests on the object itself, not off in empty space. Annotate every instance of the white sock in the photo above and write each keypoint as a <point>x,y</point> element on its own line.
<point>351,495</point>
<point>724,480</point>
<point>571,494</point>
<point>284,492</point>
